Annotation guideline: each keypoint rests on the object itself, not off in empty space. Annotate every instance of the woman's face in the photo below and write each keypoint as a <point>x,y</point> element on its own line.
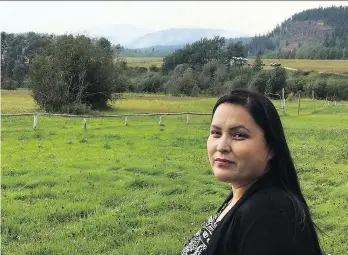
<point>237,149</point>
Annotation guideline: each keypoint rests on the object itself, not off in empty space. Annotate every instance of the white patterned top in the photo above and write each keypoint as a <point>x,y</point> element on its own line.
<point>199,242</point>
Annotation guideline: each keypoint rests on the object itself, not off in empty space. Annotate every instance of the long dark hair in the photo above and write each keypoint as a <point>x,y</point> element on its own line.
<point>281,165</point>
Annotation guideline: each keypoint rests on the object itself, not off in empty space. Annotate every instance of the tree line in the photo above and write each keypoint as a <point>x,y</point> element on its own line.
<point>66,73</point>
<point>203,68</point>
<point>77,74</point>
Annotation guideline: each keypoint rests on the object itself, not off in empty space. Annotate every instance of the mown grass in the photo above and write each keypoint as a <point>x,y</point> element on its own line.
<point>146,188</point>
<point>144,61</point>
<point>325,66</point>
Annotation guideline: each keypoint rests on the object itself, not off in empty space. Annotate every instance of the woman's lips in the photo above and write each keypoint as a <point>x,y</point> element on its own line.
<point>223,162</point>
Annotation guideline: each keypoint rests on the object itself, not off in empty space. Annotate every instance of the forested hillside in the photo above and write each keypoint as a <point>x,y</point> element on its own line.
<point>320,33</point>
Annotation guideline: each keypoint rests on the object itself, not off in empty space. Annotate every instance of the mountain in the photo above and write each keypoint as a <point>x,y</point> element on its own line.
<point>313,26</point>
<point>179,36</point>
<point>324,27</point>
<point>116,33</point>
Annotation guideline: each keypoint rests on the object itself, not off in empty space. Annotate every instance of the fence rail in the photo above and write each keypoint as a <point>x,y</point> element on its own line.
<point>85,117</point>
<point>106,116</point>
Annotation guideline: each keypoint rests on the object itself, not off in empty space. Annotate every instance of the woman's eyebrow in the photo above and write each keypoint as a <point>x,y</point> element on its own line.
<point>231,128</point>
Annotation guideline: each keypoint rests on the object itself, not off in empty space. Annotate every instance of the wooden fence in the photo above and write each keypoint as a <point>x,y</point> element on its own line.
<point>106,116</point>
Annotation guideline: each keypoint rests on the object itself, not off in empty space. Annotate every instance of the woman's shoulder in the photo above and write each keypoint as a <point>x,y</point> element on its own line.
<point>268,219</point>
<point>273,200</point>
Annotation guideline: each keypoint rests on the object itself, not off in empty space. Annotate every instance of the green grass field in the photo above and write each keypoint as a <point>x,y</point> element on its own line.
<point>325,66</point>
<point>146,188</point>
<point>144,61</point>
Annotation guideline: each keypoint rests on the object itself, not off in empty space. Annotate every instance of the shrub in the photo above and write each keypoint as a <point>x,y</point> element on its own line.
<point>9,85</point>
<point>75,70</point>
<point>294,85</point>
<point>258,82</point>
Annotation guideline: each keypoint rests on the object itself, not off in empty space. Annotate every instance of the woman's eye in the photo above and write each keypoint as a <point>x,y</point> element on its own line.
<point>214,132</point>
<point>239,136</point>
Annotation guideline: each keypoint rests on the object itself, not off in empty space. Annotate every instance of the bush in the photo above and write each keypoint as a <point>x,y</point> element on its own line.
<point>337,88</point>
<point>153,68</point>
<point>291,97</point>
<point>195,91</point>
<point>181,81</point>
<point>212,77</point>
<point>77,109</point>
<point>139,69</point>
<point>75,70</point>
<point>276,80</point>
<point>319,87</point>
<point>258,82</point>
<point>240,81</point>
<point>151,83</point>
<point>9,85</point>
<point>294,85</point>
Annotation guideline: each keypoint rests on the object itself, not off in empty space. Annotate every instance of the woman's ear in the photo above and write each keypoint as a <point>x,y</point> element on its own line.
<point>270,154</point>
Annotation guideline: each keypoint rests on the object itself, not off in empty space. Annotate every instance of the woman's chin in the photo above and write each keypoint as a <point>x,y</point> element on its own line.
<point>224,176</point>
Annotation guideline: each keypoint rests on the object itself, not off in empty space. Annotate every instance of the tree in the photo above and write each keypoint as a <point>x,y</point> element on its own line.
<point>182,81</point>
<point>276,80</point>
<point>259,81</point>
<point>240,81</point>
<point>345,53</point>
<point>153,68</point>
<point>196,55</point>
<point>151,82</point>
<point>17,52</point>
<point>235,50</point>
<point>75,70</point>
<point>19,72</point>
<point>104,43</point>
<point>257,66</point>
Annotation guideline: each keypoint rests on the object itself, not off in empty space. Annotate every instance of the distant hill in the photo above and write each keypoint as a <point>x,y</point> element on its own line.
<point>164,50</point>
<point>326,27</point>
<point>179,36</point>
<point>116,33</point>
<point>153,51</point>
<point>313,26</point>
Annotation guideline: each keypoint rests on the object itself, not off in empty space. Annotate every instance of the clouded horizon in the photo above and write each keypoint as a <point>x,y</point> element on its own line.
<point>247,17</point>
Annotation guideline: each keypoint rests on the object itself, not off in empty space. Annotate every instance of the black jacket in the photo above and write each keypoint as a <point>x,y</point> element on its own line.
<point>262,222</point>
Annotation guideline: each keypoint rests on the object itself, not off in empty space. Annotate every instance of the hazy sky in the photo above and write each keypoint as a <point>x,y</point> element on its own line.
<point>250,17</point>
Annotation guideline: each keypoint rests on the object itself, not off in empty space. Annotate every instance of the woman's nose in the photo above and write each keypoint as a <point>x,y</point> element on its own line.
<point>223,145</point>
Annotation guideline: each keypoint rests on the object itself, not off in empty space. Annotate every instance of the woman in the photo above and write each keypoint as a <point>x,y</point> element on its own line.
<point>266,212</point>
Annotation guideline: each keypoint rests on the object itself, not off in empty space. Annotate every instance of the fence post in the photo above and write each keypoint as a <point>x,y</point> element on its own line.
<point>160,120</point>
<point>126,120</point>
<point>84,123</point>
<point>283,101</point>
<point>187,118</point>
<point>35,120</point>
<point>298,107</point>
<point>313,100</point>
